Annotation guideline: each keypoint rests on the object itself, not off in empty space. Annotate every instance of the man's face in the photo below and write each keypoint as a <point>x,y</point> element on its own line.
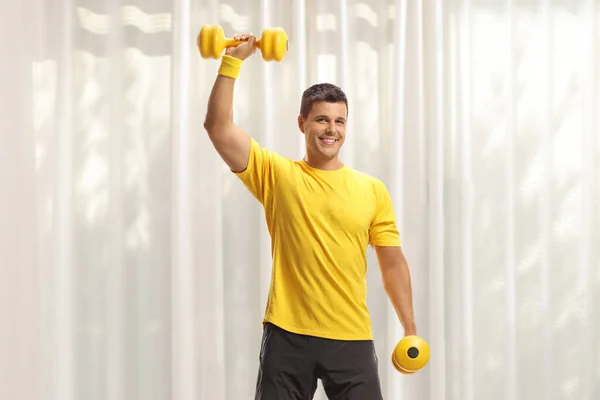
<point>324,129</point>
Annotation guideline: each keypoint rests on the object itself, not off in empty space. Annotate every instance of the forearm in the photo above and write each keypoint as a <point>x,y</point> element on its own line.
<point>220,104</point>
<point>397,284</point>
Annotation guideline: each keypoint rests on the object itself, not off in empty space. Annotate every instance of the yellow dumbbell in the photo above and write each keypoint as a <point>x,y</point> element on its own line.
<point>212,41</point>
<point>410,354</point>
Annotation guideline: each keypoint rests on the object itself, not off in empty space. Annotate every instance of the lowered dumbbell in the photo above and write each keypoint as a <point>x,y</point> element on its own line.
<point>211,42</point>
<point>410,354</point>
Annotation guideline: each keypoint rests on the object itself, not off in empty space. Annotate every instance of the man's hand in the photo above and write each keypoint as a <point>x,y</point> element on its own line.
<point>243,50</point>
<point>396,282</point>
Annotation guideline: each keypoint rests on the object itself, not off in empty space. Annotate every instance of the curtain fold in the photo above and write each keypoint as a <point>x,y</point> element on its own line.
<point>135,265</point>
<point>21,338</point>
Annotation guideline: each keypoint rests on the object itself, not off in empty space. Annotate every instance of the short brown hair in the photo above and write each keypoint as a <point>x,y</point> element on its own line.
<point>321,92</point>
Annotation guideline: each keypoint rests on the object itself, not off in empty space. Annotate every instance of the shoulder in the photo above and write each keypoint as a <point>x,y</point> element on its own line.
<point>375,187</point>
<point>271,155</point>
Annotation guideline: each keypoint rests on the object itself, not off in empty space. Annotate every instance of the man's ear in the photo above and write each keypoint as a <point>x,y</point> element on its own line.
<point>301,123</point>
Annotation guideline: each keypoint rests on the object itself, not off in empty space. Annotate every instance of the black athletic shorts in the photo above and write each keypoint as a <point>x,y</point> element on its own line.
<point>291,364</point>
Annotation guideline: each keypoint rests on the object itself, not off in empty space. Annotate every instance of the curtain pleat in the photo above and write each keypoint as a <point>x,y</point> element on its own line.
<point>115,291</point>
<point>510,107</point>
<point>591,187</point>
<point>64,296</point>
<point>545,358</point>
<point>189,289</point>
<point>21,316</point>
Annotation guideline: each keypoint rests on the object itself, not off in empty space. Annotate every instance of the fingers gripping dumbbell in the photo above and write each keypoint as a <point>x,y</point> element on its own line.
<point>212,41</point>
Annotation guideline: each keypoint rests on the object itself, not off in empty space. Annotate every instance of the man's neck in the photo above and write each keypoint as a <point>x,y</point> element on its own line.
<point>325,165</point>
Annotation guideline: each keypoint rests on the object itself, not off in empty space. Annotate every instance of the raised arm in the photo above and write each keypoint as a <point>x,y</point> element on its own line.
<point>230,141</point>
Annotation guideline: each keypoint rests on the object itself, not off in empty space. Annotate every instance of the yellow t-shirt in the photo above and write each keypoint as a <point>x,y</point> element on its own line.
<point>320,223</point>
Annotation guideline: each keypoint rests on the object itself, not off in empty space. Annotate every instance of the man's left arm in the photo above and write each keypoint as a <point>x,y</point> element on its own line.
<point>397,284</point>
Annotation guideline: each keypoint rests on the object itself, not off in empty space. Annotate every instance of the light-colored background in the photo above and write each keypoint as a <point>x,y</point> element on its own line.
<point>135,266</point>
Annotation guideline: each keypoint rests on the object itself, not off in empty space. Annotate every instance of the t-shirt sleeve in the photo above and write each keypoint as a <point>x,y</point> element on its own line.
<point>383,230</point>
<point>259,175</point>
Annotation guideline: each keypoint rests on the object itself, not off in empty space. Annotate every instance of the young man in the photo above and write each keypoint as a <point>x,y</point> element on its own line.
<point>321,215</point>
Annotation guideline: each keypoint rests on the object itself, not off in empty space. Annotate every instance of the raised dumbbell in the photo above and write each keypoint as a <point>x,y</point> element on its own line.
<point>212,41</point>
<point>410,354</point>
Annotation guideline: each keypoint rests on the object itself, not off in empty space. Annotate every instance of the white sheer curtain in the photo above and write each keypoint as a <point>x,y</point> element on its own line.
<point>135,266</point>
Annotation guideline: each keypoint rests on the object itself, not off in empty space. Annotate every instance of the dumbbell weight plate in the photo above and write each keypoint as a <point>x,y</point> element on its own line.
<point>273,44</point>
<point>211,41</point>
<point>411,354</point>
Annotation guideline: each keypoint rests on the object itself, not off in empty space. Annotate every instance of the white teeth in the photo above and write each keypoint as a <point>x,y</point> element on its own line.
<point>328,141</point>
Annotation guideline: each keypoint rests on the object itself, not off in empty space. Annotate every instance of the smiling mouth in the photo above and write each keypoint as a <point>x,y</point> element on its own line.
<point>329,140</point>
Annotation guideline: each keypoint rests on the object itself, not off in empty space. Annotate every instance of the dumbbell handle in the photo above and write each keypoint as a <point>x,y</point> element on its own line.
<point>235,43</point>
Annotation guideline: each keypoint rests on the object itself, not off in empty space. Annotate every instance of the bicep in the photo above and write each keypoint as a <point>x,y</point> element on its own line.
<point>389,256</point>
<point>233,145</point>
